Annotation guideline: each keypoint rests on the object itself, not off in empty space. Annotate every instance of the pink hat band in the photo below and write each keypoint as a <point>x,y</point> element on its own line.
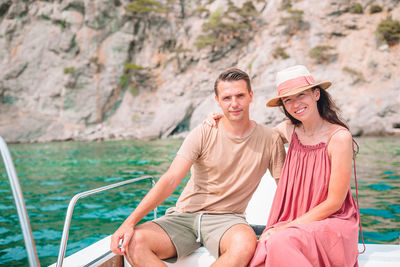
<point>298,82</point>
<point>293,80</point>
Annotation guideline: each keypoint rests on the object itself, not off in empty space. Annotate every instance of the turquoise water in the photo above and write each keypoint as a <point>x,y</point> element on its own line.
<point>52,173</point>
<point>378,172</point>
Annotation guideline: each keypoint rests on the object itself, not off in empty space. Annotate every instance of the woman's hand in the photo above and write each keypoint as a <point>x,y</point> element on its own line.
<point>213,119</point>
<point>267,234</point>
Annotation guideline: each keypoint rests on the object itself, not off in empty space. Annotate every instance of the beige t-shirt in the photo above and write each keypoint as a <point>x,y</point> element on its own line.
<point>227,170</point>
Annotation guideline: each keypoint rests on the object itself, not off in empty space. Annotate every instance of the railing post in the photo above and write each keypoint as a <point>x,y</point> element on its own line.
<point>20,204</point>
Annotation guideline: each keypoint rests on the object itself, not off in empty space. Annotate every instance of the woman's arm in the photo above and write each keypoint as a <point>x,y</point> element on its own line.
<point>341,153</point>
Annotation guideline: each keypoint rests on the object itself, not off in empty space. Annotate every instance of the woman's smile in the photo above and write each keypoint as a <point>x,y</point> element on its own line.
<point>300,111</point>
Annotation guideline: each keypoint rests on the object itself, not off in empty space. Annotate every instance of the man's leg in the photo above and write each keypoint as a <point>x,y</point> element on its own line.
<point>237,246</point>
<point>149,244</point>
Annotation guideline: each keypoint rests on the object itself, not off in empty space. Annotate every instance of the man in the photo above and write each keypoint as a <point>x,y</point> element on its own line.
<point>228,163</point>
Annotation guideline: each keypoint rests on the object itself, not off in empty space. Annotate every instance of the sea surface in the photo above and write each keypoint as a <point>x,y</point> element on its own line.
<point>52,173</point>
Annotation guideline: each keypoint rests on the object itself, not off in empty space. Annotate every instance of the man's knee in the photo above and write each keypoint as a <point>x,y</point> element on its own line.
<point>142,242</point>
<point>137,246</point>
<point>150,240</point>
<point>240,241</point>
<point>139,240</point>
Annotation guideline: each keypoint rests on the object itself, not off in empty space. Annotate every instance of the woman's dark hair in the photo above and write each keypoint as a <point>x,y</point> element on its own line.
<point>327,110</point>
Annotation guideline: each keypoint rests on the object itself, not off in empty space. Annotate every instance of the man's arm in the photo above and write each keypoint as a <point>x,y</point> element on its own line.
<point>277,159</point>
<point>285,129</point>
<point>162,189</point>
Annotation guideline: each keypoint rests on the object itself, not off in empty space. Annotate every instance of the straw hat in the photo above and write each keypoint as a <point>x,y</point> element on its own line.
<point>294,80</point>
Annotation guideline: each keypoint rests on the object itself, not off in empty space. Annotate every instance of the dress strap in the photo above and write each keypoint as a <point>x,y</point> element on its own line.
<point>358,205</point>
<point>334,132</point>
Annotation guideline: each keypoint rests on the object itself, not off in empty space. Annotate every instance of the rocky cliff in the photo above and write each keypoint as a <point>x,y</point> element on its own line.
<point>118,69</point>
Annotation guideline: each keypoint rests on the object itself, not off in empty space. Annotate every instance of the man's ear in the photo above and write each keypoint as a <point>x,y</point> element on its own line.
<point>251,96</point>
<point>217,100</point>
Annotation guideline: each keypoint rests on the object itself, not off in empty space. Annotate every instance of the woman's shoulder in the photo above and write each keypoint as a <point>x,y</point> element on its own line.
<point>340,133</point>
<point>340,137</point>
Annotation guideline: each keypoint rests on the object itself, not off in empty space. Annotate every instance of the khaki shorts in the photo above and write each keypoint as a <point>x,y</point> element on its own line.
<point>183,230</point>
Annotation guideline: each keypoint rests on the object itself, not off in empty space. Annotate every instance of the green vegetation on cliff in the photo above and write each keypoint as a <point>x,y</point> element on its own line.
<point>320,53</point>
<point>294,22</point>
<point>389,31</point>
<point>145,6</point>
<point>226,28</point>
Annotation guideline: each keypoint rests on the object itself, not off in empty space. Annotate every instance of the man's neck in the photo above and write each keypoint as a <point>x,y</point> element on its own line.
<point>238,129</point>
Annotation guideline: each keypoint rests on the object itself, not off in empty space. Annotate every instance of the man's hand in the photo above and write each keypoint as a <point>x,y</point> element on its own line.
<point>167,183</point>
<point>124,233</point>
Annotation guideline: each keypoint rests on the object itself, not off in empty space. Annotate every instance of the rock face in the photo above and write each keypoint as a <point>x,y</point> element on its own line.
<point>90,70</point>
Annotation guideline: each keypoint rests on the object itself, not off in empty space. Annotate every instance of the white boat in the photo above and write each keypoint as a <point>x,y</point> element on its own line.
<point>376,255</point>
<point>99,254</point>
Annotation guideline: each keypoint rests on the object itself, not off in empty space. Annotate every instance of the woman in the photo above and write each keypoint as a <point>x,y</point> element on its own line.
<point>314,219</point>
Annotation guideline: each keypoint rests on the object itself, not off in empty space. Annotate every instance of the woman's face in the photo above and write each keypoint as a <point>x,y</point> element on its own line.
<point>303,105</point>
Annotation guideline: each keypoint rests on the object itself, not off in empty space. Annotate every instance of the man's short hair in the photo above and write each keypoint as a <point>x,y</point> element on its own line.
<point>232,74</point>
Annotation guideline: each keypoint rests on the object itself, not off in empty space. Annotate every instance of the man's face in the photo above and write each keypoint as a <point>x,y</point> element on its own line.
<point>234,99</point>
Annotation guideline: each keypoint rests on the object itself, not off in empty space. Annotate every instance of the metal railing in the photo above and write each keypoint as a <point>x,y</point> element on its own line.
<point>68,217</point>
<point>23,215</point>
<point>20,204</point>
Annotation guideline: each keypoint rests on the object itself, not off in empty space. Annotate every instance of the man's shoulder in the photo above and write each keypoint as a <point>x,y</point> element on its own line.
<point>201,131</point>
<point>203,128</point>
<point>266,132</point>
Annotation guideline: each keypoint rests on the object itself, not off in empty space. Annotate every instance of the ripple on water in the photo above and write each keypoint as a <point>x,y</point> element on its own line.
<point>5,220</point>
<point>133,173</point>
<point>56,198</point>
<point>380,213</point>
<point>47,234</point>
<point>6,207</point>
<point>396,208</point>
<point>393,177</point>
<point>387,236</point>
<point>11,239</point>
<point>50,183</point>
<point>114,179</point>
<point>47,250</point>
<point>105,214</point>
<point>92,206</point>
<point>139,162</point>
<point>53,207</point>
<point>12,254</point>
<point>381,187</point>
<point>4,230</point>
<point>124,194</point>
